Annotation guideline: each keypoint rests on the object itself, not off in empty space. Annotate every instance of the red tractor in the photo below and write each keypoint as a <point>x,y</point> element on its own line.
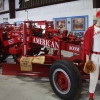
<point>65,73</point>
<point>4,29</point>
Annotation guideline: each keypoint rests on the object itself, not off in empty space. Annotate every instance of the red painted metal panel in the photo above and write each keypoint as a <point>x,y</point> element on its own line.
<point>37,70</point>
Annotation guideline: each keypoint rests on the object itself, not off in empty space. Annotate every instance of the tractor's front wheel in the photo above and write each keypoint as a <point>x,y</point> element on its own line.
<point>65,80</point>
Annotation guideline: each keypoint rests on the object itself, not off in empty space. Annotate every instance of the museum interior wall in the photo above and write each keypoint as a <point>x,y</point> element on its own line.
<point>75,8</point>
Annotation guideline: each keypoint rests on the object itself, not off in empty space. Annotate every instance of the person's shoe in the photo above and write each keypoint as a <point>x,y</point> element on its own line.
<point>91,99</point>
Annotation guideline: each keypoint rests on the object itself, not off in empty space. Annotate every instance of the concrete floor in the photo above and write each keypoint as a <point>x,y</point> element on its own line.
<point>25,88</point>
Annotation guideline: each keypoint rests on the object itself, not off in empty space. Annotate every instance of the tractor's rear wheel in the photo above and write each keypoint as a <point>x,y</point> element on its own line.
<point>65,80</point>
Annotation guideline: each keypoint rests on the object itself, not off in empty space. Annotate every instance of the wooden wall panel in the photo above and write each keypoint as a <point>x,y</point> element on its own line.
<point>12,9</point>
<point>96,3</point>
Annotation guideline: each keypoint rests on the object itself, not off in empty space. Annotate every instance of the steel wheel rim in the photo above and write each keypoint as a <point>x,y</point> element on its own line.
<point>56,84</point>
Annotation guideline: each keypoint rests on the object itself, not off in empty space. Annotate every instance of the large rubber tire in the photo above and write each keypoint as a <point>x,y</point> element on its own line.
<point>62,72</point>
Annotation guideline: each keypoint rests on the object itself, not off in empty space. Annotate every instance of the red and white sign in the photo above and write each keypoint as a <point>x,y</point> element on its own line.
<point>73,48</point>
<point>46,42</point>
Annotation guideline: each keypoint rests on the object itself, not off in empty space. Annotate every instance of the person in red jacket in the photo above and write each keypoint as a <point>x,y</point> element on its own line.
<point>91,50</point>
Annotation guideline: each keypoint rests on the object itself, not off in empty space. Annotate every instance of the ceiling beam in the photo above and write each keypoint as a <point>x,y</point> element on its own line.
<point>12,9</point>
<point>36,6</point>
